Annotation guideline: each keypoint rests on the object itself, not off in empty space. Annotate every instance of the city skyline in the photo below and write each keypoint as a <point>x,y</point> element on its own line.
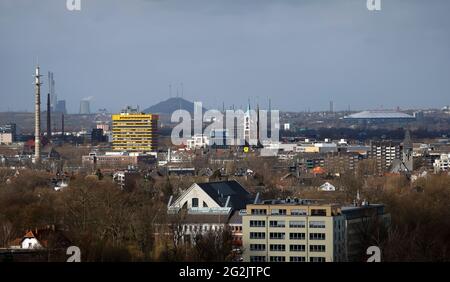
<point>301,54</point>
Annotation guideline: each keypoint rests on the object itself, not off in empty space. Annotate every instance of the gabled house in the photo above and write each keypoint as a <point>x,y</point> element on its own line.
<point>327,186</point>
<point>29,241</point>
<point>212,197</point>
<point>46,238</point>
<point>210,206</point>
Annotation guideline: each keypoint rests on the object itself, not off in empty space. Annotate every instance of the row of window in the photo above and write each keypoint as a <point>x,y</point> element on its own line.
<point>283,259</point>
<point>282,235</point>
<point>314,212</point>
<point>292,223</point>
<point>282,248</point>
<point>195,228</point>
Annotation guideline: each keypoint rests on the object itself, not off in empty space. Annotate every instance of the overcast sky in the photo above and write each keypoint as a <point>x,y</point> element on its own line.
<point>301,53</point>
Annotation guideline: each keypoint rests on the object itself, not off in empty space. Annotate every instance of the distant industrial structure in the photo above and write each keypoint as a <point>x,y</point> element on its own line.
<point>49,117</point>
<point>61,107</point>
<point>85,106</point>
<point>37,115</point>
<point>55,104</point>
<point>51,91</point>
<point>134,131</point>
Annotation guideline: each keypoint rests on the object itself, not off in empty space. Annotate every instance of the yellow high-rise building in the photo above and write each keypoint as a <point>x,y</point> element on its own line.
<point>134,131</point>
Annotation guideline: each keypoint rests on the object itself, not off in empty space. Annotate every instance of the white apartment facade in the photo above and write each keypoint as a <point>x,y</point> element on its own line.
<point>6,138</point>
<point>442,164</point>
<point>293,231</point>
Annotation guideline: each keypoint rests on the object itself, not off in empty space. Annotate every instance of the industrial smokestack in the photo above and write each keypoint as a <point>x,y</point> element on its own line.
<point>49,118</point>
<point>62,126</point>
<point>257,122</point>
<point>37,115</point>
<point>85,106</point>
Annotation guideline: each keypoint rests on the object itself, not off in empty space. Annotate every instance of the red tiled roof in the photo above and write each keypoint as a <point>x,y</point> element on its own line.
<point>318,170</point>
<point>29,235</point>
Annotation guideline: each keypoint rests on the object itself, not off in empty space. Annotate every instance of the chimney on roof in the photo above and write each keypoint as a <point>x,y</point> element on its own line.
<point>228,201</point>
<point>170,201</point>
<point>256,198</point>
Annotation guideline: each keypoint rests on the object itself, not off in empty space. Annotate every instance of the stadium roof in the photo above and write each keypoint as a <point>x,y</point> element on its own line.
<point>379,115</point>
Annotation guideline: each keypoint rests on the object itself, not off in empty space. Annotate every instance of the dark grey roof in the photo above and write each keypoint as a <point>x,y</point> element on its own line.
<point>219,192</point>
<point>235,218</point>
<point>351,212</point>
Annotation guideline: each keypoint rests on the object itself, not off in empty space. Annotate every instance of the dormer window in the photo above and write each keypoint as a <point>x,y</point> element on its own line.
<point>195,202</point>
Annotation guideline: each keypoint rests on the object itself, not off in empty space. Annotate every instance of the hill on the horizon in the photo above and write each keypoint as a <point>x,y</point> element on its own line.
<point>170,105</point>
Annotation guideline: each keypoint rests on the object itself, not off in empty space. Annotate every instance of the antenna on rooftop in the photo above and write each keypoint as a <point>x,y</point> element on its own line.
<point>182,90</point>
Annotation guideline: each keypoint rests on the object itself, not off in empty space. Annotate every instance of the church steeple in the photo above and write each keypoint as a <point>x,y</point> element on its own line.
<point>407,152</point>
<point>407,143</point>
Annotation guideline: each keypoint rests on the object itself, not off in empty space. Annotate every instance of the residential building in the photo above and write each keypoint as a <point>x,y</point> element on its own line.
<point>326,147</point>
<point>442,164</point>
<point>103,125</point>
<point>295,230</point>
<point>327,186</point>
<point>97,135</point>
<point>342,161</point>
<point>117,159</point>
<point>384,152</point>
<point>8,133</point>
<point>210,206</point>
<point>134,131</point>
<point>6,138</point>
<point>197,141</point>
<point>309,161</point>
<point>43,238</point>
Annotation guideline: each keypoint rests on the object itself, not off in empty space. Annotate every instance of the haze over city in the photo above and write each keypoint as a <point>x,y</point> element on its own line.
<point>302,54</point>
<point>323,137</point>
